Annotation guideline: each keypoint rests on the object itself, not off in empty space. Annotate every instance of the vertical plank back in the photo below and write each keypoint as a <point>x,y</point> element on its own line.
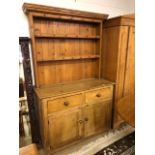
<point>66,44</point>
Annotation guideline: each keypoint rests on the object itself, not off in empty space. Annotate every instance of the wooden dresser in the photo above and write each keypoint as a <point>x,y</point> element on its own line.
<point>73,101</point>
<point>118,58</point>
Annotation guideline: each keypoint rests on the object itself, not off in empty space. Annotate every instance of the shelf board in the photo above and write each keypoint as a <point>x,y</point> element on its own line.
<point>71,58</point>
<point>67,36</point>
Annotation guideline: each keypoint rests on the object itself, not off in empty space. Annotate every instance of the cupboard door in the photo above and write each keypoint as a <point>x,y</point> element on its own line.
<point>97,117</point>
<point>64,127</point>
<point>129,80</point>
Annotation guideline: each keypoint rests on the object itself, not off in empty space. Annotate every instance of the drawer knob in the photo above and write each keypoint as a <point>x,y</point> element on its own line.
<point>98,95</point>
<point>86,119</point>
<point>66,103</point>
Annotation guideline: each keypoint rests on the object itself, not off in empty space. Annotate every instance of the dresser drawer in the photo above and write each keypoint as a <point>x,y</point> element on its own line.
<point>64,103</point>
<point>98,95</point>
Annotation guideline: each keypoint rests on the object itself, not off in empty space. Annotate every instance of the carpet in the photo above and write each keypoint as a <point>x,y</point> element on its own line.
<point>124,146</point>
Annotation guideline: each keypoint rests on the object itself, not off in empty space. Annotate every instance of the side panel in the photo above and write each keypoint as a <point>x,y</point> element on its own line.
<point>129,83</point>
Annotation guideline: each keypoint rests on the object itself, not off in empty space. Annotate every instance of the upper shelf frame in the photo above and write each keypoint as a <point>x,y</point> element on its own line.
<point>39,12</point>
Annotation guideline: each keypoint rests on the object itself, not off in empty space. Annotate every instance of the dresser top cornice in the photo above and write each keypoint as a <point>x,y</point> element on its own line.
<point>71,87</point>
<point>28,7</point>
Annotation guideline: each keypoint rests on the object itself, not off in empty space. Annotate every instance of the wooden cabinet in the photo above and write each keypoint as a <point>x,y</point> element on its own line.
<point>64,127</point>
<point>73,100</point>
<point>118,57</point>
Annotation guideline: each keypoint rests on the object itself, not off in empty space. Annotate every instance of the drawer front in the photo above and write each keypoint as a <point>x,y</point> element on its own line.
<point>64,103</point>
<point>99,95</point>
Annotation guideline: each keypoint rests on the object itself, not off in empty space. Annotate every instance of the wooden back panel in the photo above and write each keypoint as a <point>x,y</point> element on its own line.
<point>63,27</point>
<point>65,71</point>
<point>66,44</point>
<point>55,49</point>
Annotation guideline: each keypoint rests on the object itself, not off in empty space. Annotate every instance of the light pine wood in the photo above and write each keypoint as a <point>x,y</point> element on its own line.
<point>118,58</point>
<point>65,17</point>
<point>71,87</point>
<point>69,110</point>
<point>64,128</point>
<point>73,100</point>
<point>97,117</point>
<point>27,7</point>
<point>126,20</point>
<point>99,95</point>
<point>62,49</point>
<point>129,83</point>
<point>64,103</point>
<point>64,41</point>
<point>110,56</point>
<point>68,29</point>
<point>128,114</point>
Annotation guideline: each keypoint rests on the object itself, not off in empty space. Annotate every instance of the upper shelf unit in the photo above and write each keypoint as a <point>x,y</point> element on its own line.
<point>66,44</point>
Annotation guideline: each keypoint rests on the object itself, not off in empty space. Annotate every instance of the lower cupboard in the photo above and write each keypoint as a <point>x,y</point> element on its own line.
<point>68,118</point>
<point>76,123</point>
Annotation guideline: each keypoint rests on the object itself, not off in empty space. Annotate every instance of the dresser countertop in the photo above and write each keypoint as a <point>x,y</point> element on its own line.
<point>71,87</point>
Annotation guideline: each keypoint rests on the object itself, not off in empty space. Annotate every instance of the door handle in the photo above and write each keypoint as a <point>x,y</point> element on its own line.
<point>80,121</point>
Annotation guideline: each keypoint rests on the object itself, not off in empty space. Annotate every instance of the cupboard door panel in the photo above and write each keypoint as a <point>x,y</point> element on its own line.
<point>129,83</point>
<point>64,128</point>
<point>97,117</point>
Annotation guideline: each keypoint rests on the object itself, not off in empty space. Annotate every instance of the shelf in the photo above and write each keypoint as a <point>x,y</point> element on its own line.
<point>67,36</point>
<point>71,58</point>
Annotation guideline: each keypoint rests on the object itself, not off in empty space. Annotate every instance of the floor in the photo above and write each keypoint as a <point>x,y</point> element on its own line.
<point>87,147</point>
<point>26,138</point>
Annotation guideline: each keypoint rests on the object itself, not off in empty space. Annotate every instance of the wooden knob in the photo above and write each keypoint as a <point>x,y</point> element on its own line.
<point>36,29</point>
<point>80,121</point>
<point>98,95</point>
<point>86,119</point>
<point>66,103</point>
